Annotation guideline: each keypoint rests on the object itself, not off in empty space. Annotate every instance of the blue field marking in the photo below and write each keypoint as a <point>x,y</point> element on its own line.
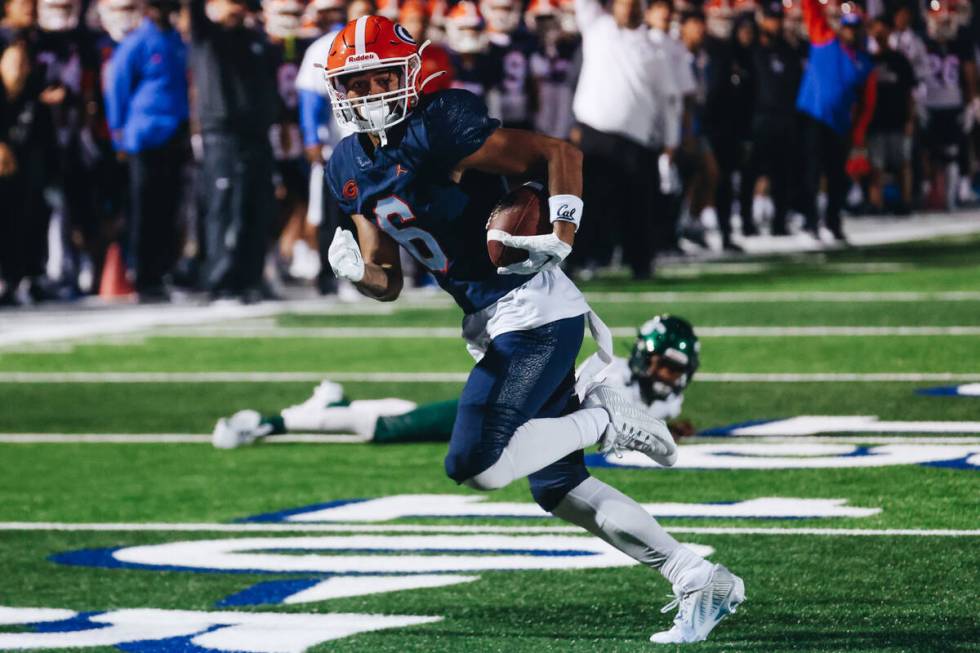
<point>284,515</point>
<point>946,391</point>
<point>598,460</point>
<point>270,592</point>
<point>725,431</point>
<point>170,645</point>
<point>958,463</point>
<point>81,621</point>
<point>103,559</point>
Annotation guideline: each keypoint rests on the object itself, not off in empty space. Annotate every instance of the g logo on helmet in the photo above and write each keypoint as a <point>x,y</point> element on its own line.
<point>403,34</point>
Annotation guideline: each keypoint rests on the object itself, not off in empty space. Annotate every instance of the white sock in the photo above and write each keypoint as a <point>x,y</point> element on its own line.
<point>619,520</point>
<point>540,442</point>
<point>359,417</point>
<point>686,568</point>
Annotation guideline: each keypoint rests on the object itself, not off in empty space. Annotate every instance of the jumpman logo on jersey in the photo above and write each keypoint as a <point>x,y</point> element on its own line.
<point>399,170</point>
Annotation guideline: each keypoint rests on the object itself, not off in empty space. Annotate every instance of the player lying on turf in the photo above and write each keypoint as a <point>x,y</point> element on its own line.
<point>424,172</point>
<point>662,363</point>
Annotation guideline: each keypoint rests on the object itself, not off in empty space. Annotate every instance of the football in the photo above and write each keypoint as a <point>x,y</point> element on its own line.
<point>522,212</point>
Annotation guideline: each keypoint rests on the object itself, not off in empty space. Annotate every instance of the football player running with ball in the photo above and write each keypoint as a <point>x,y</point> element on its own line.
<point>423,172</point>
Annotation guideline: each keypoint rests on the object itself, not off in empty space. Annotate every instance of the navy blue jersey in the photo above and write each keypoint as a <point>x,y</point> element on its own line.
<point>406,190</point>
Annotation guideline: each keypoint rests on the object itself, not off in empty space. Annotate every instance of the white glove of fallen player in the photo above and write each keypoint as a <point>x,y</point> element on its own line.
<point>543,252</point>
<point>345,256</point>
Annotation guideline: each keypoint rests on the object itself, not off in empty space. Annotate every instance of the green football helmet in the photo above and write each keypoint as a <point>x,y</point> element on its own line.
<point>672,341</point>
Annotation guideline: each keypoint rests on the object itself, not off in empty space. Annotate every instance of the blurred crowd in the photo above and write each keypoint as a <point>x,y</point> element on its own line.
<point>151,145</point>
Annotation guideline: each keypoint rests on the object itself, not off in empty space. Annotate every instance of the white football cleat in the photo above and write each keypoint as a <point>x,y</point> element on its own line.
<point>241,429</point>
<point>631,427</point>
<point>699,609</point>
<point>327,393</point>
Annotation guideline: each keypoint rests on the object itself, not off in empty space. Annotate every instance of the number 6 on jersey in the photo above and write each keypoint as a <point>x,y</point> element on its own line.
<point>394,217</point>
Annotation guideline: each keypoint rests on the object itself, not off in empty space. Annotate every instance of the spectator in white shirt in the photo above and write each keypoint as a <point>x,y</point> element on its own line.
<point>622,104</point>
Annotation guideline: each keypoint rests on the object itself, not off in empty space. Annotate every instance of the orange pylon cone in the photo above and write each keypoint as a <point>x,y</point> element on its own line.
<point>114,284</point>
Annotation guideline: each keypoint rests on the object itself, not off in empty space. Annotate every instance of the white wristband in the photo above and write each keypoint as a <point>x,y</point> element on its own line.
<point>566,208</point>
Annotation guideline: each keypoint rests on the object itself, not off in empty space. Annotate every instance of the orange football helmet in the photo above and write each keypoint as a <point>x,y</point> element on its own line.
<point>374,43</point>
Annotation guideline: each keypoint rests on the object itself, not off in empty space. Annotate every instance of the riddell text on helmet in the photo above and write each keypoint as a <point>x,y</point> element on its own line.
<point>360,58</point>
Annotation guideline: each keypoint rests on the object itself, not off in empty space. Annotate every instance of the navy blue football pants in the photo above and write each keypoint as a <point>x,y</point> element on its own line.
<point>524,375</point>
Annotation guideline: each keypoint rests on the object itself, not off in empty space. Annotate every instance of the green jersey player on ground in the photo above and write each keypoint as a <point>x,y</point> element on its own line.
<point>662,363</point>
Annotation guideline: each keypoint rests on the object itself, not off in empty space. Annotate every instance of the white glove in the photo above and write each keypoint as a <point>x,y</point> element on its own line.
<point>345,256</point>
<point>544,252</point>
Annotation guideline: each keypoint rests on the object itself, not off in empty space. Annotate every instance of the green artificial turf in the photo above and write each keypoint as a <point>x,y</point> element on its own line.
<point>757,354</point>
<point>882,593</point>
<point>771,314</point>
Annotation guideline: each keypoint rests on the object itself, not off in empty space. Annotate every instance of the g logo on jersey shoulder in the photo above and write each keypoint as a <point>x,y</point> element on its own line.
<point>403,34</point>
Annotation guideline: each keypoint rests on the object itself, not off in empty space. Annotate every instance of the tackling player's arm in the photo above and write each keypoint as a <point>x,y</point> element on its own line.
<point>515,152</point>
<point>382,279</point>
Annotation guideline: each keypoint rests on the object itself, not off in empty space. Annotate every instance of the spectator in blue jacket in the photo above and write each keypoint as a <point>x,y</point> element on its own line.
<point>837,99</point>
<point>146,108</point>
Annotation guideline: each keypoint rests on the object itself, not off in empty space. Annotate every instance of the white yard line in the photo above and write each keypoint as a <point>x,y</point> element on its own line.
<point>21,328</point>
<point>43,326</point>
<point>514,530</point>
<point>831,532</point>
<point>351,438</point>
<point>831,439</point>
<point>777,331</point>
<point>766,297</point>
<point>691,269</point>
<point>375,333</point>
<point>165,438</point>
<point>836,377</point>
<point>354,332</point>
<point>232,377</point>
<point>451,377</point>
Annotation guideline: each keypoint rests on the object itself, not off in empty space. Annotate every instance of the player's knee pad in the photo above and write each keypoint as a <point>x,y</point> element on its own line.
<point>496,476</point>
<point>549,492</point>
<point>499,425</point>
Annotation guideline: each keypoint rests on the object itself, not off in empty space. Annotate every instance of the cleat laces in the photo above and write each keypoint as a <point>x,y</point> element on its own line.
<point>685,604</point>
<point>635,439</point>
